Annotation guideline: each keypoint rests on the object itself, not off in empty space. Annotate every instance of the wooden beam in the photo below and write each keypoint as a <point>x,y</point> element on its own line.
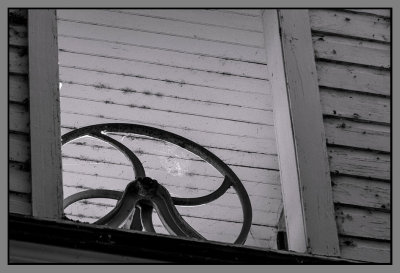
<point>44,114</point>
<point>305,177</point>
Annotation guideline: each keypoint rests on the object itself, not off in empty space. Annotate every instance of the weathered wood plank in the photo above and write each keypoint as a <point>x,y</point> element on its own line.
<point>165,150</point>
<point>354,78</point>
<point>365,250</point>
<point>163,26</point>
<point>157,72</point>
<point>18,60</point>
<point>45,114</point>
<point>160,41</point>
<point>355,105</point>
<point>248,12</point>
<point>351,50</point>
<point>350,24</point>
<point>356,134</point>
<point>361,192</point>
<point>379,12</point>
<point>359,163</point>
<point>201,16</point>
<point>166,89</point>
<point>19,148</point>
<point>19,203</point>
<point>162,57</point>
<point>18,88</point>
<point>168,104</point>
<point>308,133</point>
<point>18,120</point>
<point>17,35</point>
<point>363,223</point>
<point>139,114</point>
<point>19,180</point>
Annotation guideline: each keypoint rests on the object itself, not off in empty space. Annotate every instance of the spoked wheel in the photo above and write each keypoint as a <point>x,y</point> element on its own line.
<point>144,194</point>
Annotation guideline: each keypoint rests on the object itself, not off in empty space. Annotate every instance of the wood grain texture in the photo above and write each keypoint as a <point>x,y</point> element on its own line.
<point>18,60</point>
<point>363,107</point>
<point>18,118</point>
<point>163,26</point>
<point>18,35</point>
<point>361,192</point>
<point>44,115</point>
<point>18,88</point>
<point>379,12</point>
<point>308,131</point>
<point>19,203</point>
<point>163,41</point>
<point>363,223</point>
<point>19,179</point>
<point>354,78</point>
<point>351,50</point>
<point>365,250</point>
<point>359,163</point>
<point>344,23</point>
<point>19,148</point>
<point>359,135</point>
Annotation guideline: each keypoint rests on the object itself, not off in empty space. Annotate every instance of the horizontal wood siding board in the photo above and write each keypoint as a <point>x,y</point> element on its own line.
<point>162,57</point>
<point>162,41</point>
<point>162,89</point>
<point>18,118</point>
<point>365,250</point>
<point>17,35</point>
<point>359,135</point>
<point>143,115</point>
<point>165,104</point>
<point>19,179</point>
<point>354,105</point>
<point>344,23</point>
<point>361,192</point>
<point>19,203</point>
<point>363,223</point>
<point>18,88</point>
<point>153,71</point>
<point>353,78</point>
<point>202,16</point>
<point>18,60</point>
<point>247,12</point>
<point>163,26</point>
<point>351,50</point>
<point>379,12</point>
<point>359,163</point>
<point>19,146</point>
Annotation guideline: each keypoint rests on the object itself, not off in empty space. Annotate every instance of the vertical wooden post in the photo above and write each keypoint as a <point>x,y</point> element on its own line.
<point>44,114</point>
<point>305,177</point>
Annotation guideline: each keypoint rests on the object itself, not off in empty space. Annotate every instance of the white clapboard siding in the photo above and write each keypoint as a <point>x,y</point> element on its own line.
<point>361,192</point>
<point>363,223</point>
<point>159,56</point>
<point>356,134</point>
<point>354,78</point>
<point>19,203</point>
<point>200,79</point>
<point>136,113</point>
<point>355,105</point>
<point>365,250</point>
<point>203,17</point>
<point>351,50</point>
<point>163,41</point>
<point>158,72</point>
<point>18,60</point>
<point>18,88</point>
<point>168,104</point>
<point>359,163</point>
<point>164,26</point>
<point>19,179</point>
<point>344,23</point>
<point>166,89</point>
<point>18,118</point>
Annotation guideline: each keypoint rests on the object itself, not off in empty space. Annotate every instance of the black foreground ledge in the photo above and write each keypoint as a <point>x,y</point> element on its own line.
<point>136,247</point>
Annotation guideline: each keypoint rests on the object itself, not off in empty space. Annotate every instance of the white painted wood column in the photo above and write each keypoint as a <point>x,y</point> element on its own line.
<point>304,169</point>
<point>44,114</point>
